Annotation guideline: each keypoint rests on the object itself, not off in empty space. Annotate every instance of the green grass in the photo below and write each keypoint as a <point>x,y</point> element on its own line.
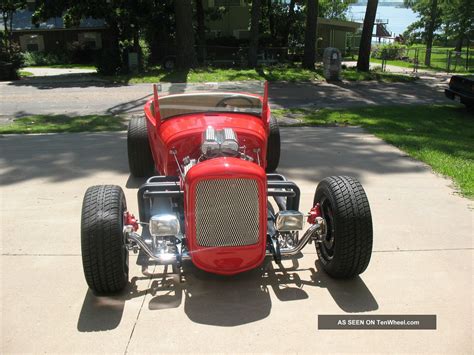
<point>441,136</point>
<point>439,58</point>
<point>24,73</point>
<point>352,74</point>
<point>65,66</point>
<point>276,73</point>
<point>218,74</point>
<point>63,123</point>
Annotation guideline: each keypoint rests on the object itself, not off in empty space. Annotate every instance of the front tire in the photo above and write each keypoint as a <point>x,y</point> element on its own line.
<point>273,146</point>
<point>346,250</point>
<point>104,252</point>
<point>140,159</point>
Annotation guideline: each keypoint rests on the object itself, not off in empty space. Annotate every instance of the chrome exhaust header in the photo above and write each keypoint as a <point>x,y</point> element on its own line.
<point>316,232</point>
<point>161,258</point>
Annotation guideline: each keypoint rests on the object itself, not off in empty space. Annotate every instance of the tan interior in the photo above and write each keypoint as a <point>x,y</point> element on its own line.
<point>173,105</point>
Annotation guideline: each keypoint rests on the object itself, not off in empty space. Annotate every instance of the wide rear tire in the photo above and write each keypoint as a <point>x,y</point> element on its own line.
<point>346,250</point>
<point>140,159</point>
<point>104,252</point>
<point>273,146</point>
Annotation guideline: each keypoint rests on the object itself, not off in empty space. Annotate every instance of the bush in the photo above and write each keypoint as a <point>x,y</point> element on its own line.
<point>146,53</point>
<point>10,62</point>
<point>78,52</point>
<point>389,51</point>
<point>109,62</point>
<point>42,58</point>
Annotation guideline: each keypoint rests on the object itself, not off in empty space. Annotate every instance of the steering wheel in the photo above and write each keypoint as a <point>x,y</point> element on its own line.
<point>223,102</point>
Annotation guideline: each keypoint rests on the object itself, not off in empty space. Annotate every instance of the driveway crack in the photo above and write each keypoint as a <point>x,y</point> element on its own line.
<point>140,310</point>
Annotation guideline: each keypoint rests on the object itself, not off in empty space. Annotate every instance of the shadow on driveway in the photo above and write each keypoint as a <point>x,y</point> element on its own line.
<point>222,300</point>
<point>309,153</point>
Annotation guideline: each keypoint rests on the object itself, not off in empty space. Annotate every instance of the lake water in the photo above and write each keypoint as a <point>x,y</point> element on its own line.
<point>399,18</point>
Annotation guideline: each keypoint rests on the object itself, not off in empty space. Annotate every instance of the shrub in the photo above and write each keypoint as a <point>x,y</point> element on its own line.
<point>42,58</point>
<point>389,51</point>
<point>145,53</point>
<point>79,52</point>
<point>10,61</point>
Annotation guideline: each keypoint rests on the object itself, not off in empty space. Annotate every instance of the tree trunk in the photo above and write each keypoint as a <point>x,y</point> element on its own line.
<point>459,41</point>
<point>271,19</point>
<point>254,22</point>
<point>186,55</point>
<point>363,62</point>
<point>201,31</point>
<point>289,22</point>
<point>5,25</point>
<point>309,55</point>
<point>430,31</point>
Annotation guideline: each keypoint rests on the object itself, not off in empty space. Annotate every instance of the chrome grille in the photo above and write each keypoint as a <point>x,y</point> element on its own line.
<point>227,212</point>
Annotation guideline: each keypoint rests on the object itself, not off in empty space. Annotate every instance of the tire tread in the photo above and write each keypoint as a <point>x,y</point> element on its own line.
<point>102,239</point>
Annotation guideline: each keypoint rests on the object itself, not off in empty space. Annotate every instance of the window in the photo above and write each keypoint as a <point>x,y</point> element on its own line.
<point>32,43</point>
<point>92,40</point>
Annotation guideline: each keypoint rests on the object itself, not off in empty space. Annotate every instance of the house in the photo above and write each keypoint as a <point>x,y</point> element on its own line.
<point>236,19</point>
<point>52,35</point>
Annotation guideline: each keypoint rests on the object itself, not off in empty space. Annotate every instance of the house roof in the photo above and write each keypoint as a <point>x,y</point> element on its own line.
<point>22,21</point>
<point>342,25</point>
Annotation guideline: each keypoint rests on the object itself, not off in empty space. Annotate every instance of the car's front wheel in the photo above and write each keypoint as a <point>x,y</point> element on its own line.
<point>346,249</point>
<point>104,251</point>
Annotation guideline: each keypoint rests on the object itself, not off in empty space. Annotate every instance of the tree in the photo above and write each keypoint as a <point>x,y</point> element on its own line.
<point>309,54</point>
<point>185,52</point>
<point>201,30</point>
<point>334,9</point>
<point>289,22</point>
<point>8,8</point>
<point>457,18</point>
<point>363,62</point>
<point>256,14</point>
<point>429,13</point>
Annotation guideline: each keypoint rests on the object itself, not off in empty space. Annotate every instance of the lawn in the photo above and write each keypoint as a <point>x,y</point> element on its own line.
<point>439,59</point>
<point>276,73</point>
<point>218,75</point>
<point>441,136</point>
<point>63,123</point>
<point>351,74</point>
<point>24,73</point>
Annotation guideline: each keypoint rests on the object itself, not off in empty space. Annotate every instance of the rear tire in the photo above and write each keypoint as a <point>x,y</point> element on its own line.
<point>104,253</point>
<point>346,250</point>
<point>140,159</point>
<point>273,146</point>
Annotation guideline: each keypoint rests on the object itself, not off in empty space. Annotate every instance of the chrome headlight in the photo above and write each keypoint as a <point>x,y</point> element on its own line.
<point>287,221</point>
<point>162,225</point>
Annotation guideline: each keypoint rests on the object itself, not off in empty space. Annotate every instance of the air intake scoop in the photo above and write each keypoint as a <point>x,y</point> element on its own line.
<point>219,143</point>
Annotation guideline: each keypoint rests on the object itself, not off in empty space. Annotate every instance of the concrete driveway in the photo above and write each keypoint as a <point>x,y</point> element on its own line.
<point>422,261</point>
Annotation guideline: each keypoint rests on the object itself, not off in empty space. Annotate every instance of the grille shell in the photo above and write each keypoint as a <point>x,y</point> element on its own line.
<point>227,212</point>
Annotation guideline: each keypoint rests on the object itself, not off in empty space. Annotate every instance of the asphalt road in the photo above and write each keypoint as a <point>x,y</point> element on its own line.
<point>422,261</point>
<point>80,94</point>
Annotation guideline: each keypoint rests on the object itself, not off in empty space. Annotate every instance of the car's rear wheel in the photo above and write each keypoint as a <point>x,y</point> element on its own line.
<point>104,252</point>
<point>346,249</point>
<point>140,159</point>
<point>273,146</point>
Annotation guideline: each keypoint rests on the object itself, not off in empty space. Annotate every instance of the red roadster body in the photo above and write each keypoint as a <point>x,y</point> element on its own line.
<point>209,153</point>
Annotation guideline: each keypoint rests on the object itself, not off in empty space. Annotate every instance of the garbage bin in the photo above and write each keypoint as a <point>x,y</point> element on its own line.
<point>332,63</point>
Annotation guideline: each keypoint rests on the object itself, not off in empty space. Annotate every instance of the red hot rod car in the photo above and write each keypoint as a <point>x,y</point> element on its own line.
<point>211,196</point>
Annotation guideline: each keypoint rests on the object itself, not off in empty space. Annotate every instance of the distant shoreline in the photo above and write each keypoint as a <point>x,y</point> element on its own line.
<point>389,4</point>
